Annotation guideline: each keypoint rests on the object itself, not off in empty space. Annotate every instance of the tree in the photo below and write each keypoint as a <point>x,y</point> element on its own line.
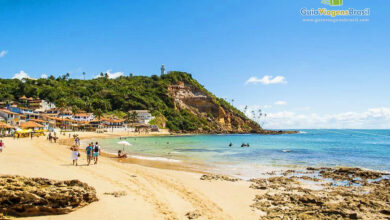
<point>245,109</point>
<point>128,117</point>
<point>75,109</point>
<point>131,116</point>
<point>61,103</point>
<point>84,75</point>
<point>123,94</point>
<point>98,114</point>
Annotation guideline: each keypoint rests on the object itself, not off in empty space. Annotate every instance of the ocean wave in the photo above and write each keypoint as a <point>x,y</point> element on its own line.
<point>302,132</point>
<point>176,152</point>
<point>156,159</point>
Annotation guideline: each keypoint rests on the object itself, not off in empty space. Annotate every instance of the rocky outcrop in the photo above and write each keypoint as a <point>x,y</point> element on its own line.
<point>220,118</point>
<point>22,196</point>
<point>218,177</point>
<point>364,195</point>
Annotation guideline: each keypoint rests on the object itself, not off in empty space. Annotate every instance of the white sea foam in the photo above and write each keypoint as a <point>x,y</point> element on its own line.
<point>302,132</point>
<point>176,152</point>
<point>156,159</point>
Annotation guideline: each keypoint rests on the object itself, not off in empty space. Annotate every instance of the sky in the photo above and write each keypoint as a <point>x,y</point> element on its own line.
<point>259,53</point>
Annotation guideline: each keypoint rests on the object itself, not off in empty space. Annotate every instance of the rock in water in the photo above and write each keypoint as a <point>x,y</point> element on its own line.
<point>22,196</point>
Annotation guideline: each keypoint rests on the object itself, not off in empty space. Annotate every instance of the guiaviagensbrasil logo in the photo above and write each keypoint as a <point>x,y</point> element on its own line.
<point>338,12</point>
<point>332,2</point>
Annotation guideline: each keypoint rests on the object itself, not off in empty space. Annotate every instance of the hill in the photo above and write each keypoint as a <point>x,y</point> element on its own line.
<point>176,100</point>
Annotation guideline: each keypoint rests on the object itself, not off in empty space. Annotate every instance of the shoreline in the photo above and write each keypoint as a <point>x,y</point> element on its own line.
<point>197,167</point>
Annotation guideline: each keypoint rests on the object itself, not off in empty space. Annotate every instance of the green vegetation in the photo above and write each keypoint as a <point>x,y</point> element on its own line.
<point>115,96</point>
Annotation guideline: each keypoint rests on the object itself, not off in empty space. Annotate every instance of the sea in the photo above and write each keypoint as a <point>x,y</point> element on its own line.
<point>369,149</point>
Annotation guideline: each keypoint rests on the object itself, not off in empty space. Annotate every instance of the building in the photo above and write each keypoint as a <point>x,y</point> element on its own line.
<point>31,125</point>
<point>11,118</point>
<point>35,104</point>
<point>143,116</point>
<point>65,113</point>
<point>162,69</point>
<point>83,117</point>
<point>112,122</point>
<point>42,122</point>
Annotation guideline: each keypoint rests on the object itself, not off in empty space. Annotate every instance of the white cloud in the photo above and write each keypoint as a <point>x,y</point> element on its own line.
<point>3,53</point>
<point>21,75</point>
<point>111,75</point>
<point>378,118</point>
<point>267,80</point>
<point>44,76</point>
<point>280,103</point>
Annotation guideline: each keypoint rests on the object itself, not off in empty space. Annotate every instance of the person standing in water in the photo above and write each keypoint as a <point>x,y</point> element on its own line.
<point>89,150</point>
<point>75,154</point>
<point>96,152</point>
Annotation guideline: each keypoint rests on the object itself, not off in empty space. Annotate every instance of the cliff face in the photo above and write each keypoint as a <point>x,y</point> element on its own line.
<point>220,118</point>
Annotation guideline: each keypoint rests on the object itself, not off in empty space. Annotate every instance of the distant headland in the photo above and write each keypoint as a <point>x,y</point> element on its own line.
<point>173,100</point>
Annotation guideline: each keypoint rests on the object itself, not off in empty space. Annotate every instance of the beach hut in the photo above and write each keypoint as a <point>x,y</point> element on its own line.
<point>4,128</point>
<point>31,125</point>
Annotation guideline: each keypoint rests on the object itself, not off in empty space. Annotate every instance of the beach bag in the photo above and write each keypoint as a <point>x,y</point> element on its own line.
<point>78,154</point>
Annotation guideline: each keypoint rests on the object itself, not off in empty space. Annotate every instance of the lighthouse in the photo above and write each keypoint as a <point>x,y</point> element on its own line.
<point>162,69</point>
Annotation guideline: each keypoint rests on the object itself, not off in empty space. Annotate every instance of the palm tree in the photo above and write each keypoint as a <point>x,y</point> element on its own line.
<point>98,113</point>
<point>128,117</point>
<point>75,109</point>
<point>131,116</point>
<point>61,104</point>
<point>245,109</point>
<point>84,75</point>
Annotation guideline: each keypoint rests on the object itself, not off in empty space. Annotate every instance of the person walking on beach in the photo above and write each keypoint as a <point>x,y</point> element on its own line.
<point>1,146</point>
<point>96,152</point>
<point>75,154</point>
<point>89,150</point>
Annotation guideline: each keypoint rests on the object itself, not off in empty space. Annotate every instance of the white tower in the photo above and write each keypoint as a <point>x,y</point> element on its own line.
<point>162,69</point>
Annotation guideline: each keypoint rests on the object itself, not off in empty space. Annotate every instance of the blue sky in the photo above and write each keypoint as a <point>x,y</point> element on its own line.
<point>334,74</point>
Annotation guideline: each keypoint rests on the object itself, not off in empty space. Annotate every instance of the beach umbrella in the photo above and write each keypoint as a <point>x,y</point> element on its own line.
<point>124,143</point>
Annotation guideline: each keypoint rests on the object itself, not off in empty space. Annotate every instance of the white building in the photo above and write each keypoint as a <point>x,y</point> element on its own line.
<point>83,117</point>
<point>143,116</point>
<point>12,118</point>
<point>47,105</point>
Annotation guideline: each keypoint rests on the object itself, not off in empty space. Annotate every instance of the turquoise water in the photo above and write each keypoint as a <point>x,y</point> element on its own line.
<point>359,148</point>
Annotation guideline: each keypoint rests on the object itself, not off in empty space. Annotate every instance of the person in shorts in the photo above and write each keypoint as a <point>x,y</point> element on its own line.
<point>96,152</point>
<point>89,150</point>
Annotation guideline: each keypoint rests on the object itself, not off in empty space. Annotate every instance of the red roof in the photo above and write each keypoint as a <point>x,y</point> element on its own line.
<point>30,124</point>
<point>83,114</point>
<point>4,125</point>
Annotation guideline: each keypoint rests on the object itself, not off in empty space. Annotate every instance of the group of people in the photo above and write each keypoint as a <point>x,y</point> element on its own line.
<point>92,151</point>
<point>242,145</point>
<point>53,137</point>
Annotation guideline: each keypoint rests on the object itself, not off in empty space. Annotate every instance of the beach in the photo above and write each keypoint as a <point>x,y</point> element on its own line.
<point>152,193</point>
<point>160,189</point>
